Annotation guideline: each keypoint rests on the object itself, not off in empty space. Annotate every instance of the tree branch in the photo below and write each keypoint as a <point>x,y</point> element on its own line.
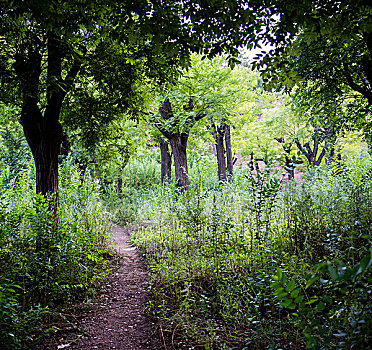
<point>199,116</point>
<point>57,88</point>
<point>365,92</point>
<point>165,133</point>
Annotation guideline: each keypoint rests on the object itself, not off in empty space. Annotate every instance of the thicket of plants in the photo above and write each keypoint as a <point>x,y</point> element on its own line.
<point>45,266</point>
<point>260,264</point>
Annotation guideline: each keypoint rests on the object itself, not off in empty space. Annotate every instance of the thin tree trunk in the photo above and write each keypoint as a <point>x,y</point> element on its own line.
<point>229,156</point>
<point>218,134</point>
<point>178,144</point>
<point>289,167</point>
<point>166,161</point>
<point>120,186</point>
<point>82,169</point>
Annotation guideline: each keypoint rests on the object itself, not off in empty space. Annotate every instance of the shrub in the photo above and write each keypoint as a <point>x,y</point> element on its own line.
<point>45,264</point>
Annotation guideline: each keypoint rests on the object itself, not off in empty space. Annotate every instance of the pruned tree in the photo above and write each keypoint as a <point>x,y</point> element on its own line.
<point>218,132</point>
<point>236,98</point>
<point>311,152</point>
<point>208,89</point>
<point>178,136</point>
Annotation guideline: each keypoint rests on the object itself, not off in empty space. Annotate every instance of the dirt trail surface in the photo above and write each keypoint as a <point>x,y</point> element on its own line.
<point>117,318</point>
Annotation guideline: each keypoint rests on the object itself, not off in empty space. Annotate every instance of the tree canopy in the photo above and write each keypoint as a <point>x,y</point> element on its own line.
<point>83,57</point>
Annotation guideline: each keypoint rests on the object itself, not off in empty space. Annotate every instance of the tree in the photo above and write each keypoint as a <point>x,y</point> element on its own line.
<point>325,49</point>
<point>44,47</point>
<point>48,46</point>
<point>337,84</point>
<point>183,106</point>
<point>208,89</point>
<point>218,132</point>
<point>238,88</point>
<point>178,136</point>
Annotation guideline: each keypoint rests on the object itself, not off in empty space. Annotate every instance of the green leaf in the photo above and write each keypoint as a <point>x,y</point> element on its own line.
<point>275,284</point>
<point>290,286</point>
<point>299,299</point>
<point>365,263</point>
<point>284,279</point>
<point>312,300</point>
<point>282,295</point>
<point>287,302</point>
<point>320,307</point>
<point>295,293</point>
<point>332,272</point>
<point>278,291</point>
<point>311,281</point>
<point>279,273</point>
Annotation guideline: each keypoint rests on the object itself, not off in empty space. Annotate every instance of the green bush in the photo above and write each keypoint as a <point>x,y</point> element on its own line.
<point>45,264</point>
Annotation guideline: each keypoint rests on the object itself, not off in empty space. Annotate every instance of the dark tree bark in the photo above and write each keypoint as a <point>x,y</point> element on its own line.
<point>178,141</point>
<point>166,161</point>
<point>43,132</point>
<point>312,153</point>
<point>120,186</point>
<point>229,156</point>
<point>45,140</point>
<point>178,144</point>
<point>219,136</point>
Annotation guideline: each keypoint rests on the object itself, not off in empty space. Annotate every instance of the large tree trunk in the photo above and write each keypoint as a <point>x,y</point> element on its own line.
<point>166,162</point>
<point>178,144</point>
<point>229,156</point>
<point>44,132</point>
<point>178,140</point>
<point>44,137</point>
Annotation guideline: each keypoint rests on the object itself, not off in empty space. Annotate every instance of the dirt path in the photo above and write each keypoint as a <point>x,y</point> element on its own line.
<point>117,319</point>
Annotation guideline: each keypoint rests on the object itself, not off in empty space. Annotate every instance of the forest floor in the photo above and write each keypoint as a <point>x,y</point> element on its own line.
<point>116,319</point>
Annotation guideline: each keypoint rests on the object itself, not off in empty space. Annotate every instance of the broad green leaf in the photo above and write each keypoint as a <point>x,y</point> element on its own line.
<point>295,293</point>
<point>290,286</point>
<point>311,281</point>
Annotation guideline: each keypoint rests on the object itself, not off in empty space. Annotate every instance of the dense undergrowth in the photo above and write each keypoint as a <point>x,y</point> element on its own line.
<point>257,264</point>
<point>44,266</point>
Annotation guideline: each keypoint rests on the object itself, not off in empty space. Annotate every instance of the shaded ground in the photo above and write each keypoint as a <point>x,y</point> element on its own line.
<point>116,320</point>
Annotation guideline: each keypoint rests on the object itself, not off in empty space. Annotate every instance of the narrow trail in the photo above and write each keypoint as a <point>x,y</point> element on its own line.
<point>117,320</point>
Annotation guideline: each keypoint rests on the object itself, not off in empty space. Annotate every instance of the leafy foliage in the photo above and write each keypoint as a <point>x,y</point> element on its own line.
<point>211,273</point>
<point>44,267</point>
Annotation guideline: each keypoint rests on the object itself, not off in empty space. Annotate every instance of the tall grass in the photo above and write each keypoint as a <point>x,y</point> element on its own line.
<point>214,252</point>
<point>44,266</point>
